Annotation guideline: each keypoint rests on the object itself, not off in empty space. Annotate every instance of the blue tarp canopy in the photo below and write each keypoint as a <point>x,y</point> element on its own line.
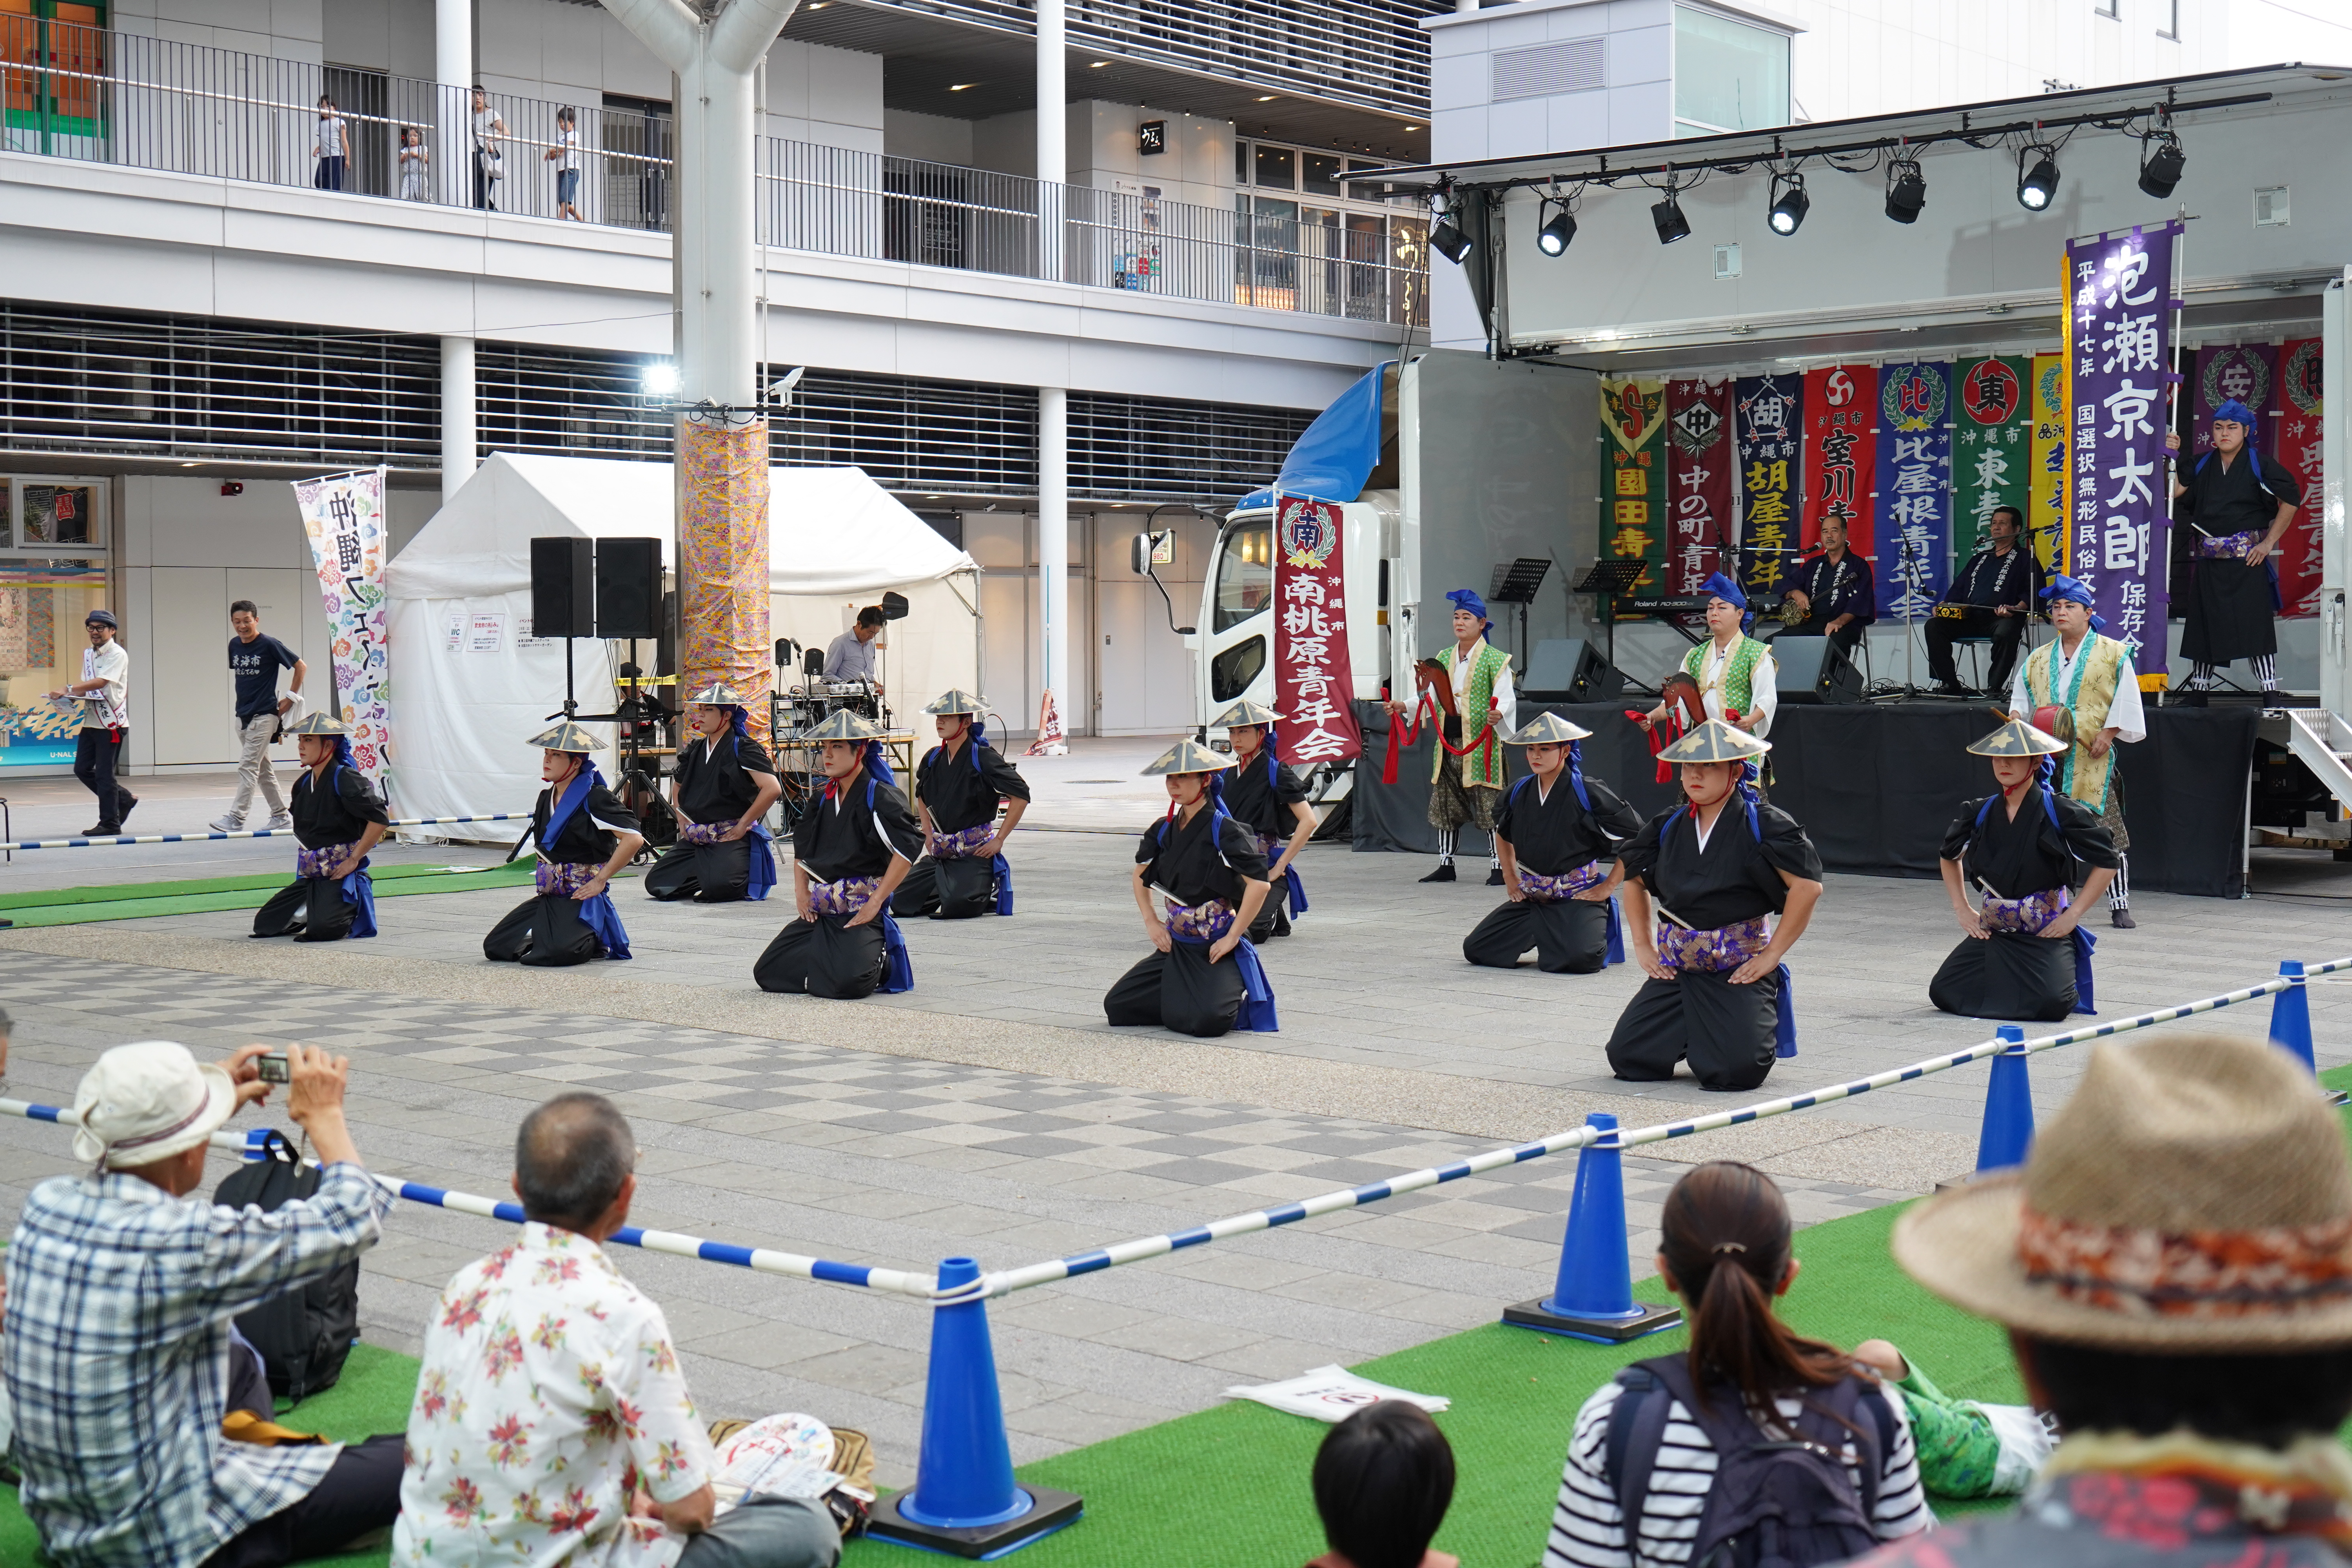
<point>1333,457</point>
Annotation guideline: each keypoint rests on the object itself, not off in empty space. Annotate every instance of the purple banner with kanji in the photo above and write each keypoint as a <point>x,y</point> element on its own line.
<point>2118,353</point>
<point>1915,488</point>
<point>1768,423</point>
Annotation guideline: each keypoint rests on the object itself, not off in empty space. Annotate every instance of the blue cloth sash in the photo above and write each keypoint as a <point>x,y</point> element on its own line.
<point>1616,934</point>
<point>2084,944</point>
<point>574,795</point>
<point>359,891</point>
<point>1003,869</point>
<point>898,974</point>
<point>1784,1026</point>
<point>763,863</point>
<point>605,922</point>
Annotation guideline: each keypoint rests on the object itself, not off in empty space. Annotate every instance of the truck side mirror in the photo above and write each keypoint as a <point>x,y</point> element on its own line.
<point>1149,550</point>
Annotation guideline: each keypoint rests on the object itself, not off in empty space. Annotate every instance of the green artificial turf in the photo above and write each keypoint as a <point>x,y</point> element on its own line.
<point>138,900</point>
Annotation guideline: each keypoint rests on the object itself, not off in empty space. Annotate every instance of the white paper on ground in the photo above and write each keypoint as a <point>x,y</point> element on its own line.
<point>1331,1394</point>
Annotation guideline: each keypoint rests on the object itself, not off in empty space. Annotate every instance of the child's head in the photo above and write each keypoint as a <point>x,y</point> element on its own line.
<point>1382,1480</point>
<point>563,117</point>
<point>1725,1247</point>
<point>410,136</point>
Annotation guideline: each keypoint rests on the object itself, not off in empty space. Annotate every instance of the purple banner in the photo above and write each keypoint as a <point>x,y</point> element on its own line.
<point>2119,351</point>
<point>1768,423</point>
<point>1915,487</point>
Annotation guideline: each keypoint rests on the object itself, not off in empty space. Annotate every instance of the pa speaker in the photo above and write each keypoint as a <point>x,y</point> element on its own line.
<point>562,588</point>
<point>1815,670</point>
<point>628,587</point>
<point>1570,670</point>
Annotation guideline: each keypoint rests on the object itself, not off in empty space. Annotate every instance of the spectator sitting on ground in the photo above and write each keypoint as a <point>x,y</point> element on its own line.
<point>1725,1251</point>
<point>2174,1266</point>
<point>1383,1479</point>
<point>1967,1449</point>
<point>118,1340</point>
<point>550,1389</point>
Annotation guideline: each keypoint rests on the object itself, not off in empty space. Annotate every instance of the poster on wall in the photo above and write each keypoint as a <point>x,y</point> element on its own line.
<point>2300,449</point>
<point>1633,484</point>
<point>1841,451</point>
<point>1698,484</point>
<point>2050,478</point>
<point>1991,447</point>
<point>1314,679</point>
<point>1915,488</point>
<point>1768,419</point>
<point>343,515</point>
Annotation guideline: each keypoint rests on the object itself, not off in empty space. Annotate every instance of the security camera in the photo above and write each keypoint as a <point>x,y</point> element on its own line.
<point>779,393</point>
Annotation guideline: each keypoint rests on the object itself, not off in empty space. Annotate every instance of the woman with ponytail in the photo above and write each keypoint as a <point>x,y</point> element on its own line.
<point>1755,1443</point>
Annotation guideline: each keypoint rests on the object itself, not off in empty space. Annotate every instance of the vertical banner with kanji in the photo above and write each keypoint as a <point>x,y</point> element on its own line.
<point>1699,464</point>
<point>1991,449</point>
<point>1633,483</point>
<point>1915,487</point>
<point>2299,450</point>
<point>1841,446</point>
<point>1314,684</point>
<point>2119,358</point>
<point>343,515</point>
<point>2246,372</point>
<point>1768,419</point>
<point>2050,478</point>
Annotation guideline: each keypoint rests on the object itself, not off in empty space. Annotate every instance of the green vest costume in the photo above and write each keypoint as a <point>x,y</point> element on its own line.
<point>1739,672</point>
<point>2088,695</point>
<point>1485,766</point>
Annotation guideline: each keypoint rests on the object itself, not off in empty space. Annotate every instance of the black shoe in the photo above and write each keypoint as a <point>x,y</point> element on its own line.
<point>130,804</point>
<point>1494,875</point>
<point>2121,920</point>
<point>1952,689</point>
<point>103,830</point>
<point>1444,873</point>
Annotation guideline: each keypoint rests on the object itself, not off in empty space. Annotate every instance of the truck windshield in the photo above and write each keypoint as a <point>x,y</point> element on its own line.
<point>1244,573</point>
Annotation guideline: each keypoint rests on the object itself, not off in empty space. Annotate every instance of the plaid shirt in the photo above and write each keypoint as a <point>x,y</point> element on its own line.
<point>116,1352</point>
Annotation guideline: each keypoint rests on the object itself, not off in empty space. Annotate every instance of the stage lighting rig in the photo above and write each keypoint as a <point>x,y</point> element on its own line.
<point>2161,161</point>
<point>1557,230</point>
<point>1789,204</point>
<point>1906,190</point>
<point>2037,187</point>
<point>1667,215</point>
<point>1445,237</point>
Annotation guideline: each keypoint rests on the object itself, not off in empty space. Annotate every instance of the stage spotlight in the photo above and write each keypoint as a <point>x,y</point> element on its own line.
<point>1668,217</point>
<point>1789,204</point>
<point>2036,186</point>
<point>2161,163</point>
<point>660,380</point>
<point>1553,236</point>
<point>1906,190</point>
<point>1447,238</point>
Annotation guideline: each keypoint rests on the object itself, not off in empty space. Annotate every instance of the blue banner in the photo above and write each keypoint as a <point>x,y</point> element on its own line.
<point>1768,423</point>
<point>1915,487</point>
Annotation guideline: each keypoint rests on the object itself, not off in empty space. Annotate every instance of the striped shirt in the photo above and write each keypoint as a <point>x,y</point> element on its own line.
<point>1588,1529</point>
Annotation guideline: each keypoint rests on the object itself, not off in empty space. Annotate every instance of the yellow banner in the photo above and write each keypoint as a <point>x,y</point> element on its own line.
<point>2048,505</point>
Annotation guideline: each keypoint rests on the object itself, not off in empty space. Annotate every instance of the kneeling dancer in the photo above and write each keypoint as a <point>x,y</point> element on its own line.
<point>2026,955</point>
<point>724,784</point>
<point>1213,874</point>
<point>1559,850</point>
<point>959,785</point>
<point>1719,871</point>
<point>850,849</point>
<point>1266,797</point>
<point>338,818</point>
<point>585,836</point>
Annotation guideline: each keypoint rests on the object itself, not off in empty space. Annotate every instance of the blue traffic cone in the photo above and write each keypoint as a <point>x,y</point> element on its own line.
<point>964,1501</point>
<point>2291,1015</point>
<point>2008,1131</point>
<point>1592,1296</point>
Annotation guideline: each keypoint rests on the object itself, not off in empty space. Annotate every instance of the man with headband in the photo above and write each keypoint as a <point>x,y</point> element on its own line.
<point>1480,706</point>
<point>2238,506</point>
<point>723,785</point>
<point>850,849</point>
<point>338,818</point>
<point>2090,676</point>
<point>960,786</point>
<point>1558,834</point>
<point>585,836</point>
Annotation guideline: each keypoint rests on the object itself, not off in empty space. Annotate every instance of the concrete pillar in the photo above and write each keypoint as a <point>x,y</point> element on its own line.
<point>461,446</point>
<point>453,43</point>
<point>1053,137</point>
<point>451,145</point>
<point>1054,549</point>
<point>2335,541</point>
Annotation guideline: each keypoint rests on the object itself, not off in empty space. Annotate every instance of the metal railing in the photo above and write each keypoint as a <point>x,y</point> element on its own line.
<point>151,103</point>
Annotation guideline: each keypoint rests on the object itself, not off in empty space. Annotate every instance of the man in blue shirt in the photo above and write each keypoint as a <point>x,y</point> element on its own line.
<point>850,656</point>
<point>255,659</point>
<point>1992,595</point>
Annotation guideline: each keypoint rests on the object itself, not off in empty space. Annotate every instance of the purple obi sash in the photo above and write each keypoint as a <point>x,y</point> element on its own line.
<point>2230,546</point>
<point>703,832</point>
<point>964,846</point>
<point>562,878</point>
<point>322,861</point>
<point>1728,947</point>
<point>2028,914</point>
<point>1199,922</point>
<point>846,897</point>
<point>1546,889</point>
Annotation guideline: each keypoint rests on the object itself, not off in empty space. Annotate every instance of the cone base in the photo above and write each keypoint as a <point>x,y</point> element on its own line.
<point>983,1543</point>
<point>1649,1320</point>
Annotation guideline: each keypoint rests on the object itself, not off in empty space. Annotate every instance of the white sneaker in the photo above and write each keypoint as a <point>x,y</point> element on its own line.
<point>225,825</point>
<point>280,823</point>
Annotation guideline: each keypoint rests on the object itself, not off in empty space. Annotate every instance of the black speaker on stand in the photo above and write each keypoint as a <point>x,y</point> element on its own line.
<point>1570,670</point>
<point>628,589</point>
<point>563,587</point>
<point>1814,671</point>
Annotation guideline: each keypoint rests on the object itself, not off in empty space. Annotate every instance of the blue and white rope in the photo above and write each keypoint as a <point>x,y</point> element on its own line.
<point>241,832</point>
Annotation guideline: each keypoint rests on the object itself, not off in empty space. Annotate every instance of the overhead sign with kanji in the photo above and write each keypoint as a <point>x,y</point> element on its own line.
<point>1314,681</point>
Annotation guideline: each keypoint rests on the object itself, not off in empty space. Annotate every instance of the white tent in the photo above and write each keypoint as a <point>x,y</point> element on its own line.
<point>471,684</point>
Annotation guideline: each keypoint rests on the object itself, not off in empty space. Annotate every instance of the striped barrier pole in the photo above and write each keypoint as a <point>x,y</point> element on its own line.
<point>241,832</point>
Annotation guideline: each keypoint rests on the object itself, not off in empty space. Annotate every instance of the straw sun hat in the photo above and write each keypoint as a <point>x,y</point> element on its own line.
<point>2194,1197</point>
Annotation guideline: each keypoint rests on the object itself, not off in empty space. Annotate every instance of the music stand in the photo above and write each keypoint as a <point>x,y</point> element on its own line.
<point>1611,578</point>
<point>1515,584</point>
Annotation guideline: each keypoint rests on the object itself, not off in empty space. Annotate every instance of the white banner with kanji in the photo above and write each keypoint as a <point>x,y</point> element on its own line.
<point>343,515</point>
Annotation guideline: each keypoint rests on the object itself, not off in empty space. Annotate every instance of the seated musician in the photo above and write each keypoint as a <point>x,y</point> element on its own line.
<point>1472,688</point>
<point>851,848</point>
<point>1202,977</point>
<point>1832,595</point>
<point>1558,831</point>
<point>1734,883</point>
<point>585,836</point>
<point>1992,595</point>
<point>723,785</point>
<point>958,787</point>
<point>1738,680</point>
<point>1267,798</point>
<point>2025,955</point>
<point>338,818</point>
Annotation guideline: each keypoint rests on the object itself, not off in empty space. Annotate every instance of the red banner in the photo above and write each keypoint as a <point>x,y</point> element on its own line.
<point>2298,449</point>
<point>1314,686</point>
<point>1840,453</point>
<point>1700,465</point>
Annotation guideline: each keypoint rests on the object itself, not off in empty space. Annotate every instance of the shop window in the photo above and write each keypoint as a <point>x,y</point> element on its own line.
<point>1319,173</point>
<point>45,592</point>
<point>1277,168</point>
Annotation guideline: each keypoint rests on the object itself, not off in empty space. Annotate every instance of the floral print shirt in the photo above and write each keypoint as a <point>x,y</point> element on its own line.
<point>549,1392</point>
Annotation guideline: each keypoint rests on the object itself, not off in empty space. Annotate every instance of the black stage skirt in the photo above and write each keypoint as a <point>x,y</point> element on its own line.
<point>706,873</point>
<point>1727,1031</point>
<point>826,957</point>
<point>307,909</point>
<point>947,889</point>
<point>1570,936</point>
<point>544,931</point>
<point>1181,990</point>
<point>2009,974</point>
<point>2232,613</point>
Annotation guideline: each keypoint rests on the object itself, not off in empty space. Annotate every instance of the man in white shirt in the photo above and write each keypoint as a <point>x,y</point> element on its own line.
<point>105,670</point>
<point>2090,676</point>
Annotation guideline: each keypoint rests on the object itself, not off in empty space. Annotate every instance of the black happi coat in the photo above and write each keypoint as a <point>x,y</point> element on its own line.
<point>959,796</point>
<point>2231,610</point>
<point>1210,857</point>
<point>714,779</point>
<point>839,837</point>
<point>336,814</point>
<point>590,834</point>
<point>550,929</point>
<point>2017,975</point>
<point>1261,804</point>
<point>1552,834</point>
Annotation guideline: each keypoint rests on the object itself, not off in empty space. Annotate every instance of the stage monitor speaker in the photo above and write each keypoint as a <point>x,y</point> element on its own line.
<point>562,588</point>
<point>1570,670</point>
<point>1815,670</point>
<point>628,587</point>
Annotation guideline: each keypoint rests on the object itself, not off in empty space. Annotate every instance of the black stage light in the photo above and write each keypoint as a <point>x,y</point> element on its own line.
<point>1906,190</point>
<point>2037,185</point>
<point>1668,217</point>
<point>1789,204</point>
<point>2161,161</point>
<point>1553,236</point>
<point>1448,239</point>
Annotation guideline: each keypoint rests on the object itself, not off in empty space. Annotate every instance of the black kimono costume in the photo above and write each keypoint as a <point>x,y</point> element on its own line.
<point>1713,904</point>
<point>577,835</point>
<point>2232,608</point>
<point>1259,796</point>
<point>1564,843</point>
<point>2024,866</point>
<point>715,788</point>
<point>963,793</point>
<point>1202,867</point>
<point>844,842</point>
<point>328,821</point>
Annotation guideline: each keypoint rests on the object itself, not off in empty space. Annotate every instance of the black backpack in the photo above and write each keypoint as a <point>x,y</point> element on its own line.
<point>1775,1502</point>
<point>305,1334</point>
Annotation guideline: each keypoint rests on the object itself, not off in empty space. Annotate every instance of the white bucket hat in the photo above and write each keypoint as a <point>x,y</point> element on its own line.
<point>141,1103</point>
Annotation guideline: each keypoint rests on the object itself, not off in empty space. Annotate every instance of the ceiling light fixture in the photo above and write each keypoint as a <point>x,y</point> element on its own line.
<point>1667,217</point>
<point>1552,238</point>
<point>1447,238</point>
<point>2037,187</point>
<point>963,87</point>
<point>1906,190</point>
<point>1789,204</point>
<point>1267,99</point>
<point>2161,161</point>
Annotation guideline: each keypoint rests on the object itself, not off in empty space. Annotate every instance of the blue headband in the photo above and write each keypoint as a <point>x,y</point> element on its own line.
<point>2076,593</point>
<point>2237,413</point>
<point>877,762</point>
<point>1722,587</point>
<point>1468,599</point>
